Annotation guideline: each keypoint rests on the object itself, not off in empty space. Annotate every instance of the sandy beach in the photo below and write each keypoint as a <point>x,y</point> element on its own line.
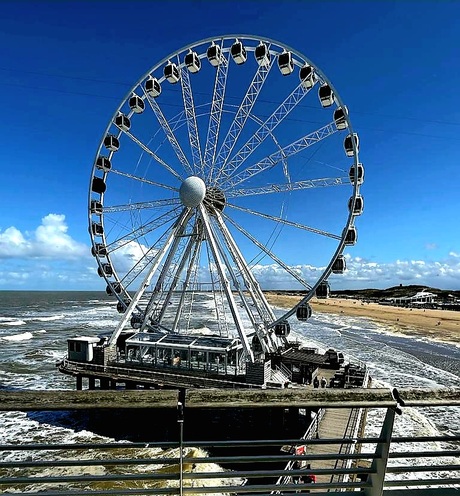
<point>442,325</point>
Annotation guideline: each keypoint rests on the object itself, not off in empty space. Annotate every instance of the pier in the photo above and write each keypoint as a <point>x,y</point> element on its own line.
<point>176,467</point>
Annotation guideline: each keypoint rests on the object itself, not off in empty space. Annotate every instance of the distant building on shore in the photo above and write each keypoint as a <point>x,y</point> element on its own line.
<point>421,298</point>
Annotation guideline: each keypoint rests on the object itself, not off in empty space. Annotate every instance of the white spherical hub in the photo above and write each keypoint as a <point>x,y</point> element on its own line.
<point>192,191</point>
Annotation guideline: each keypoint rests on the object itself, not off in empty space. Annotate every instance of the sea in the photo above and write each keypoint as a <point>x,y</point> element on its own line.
<point>35,326</point>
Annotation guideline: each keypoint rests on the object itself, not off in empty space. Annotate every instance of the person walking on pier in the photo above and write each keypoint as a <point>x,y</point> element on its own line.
<point>316,383</point>
<point>323,382</point>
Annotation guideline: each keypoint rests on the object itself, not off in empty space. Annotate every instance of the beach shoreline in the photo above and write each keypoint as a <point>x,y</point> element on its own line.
<point>439,325</point>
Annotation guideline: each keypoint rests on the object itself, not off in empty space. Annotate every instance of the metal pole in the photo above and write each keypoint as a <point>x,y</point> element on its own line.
<point>180,420</point>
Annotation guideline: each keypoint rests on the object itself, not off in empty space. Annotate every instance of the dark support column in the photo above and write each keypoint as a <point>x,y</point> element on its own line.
<point>105,383</point>
<point>79,383</point>
<point>91,383</point>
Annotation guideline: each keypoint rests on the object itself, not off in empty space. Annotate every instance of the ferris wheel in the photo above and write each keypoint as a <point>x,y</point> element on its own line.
<point>231,167</point>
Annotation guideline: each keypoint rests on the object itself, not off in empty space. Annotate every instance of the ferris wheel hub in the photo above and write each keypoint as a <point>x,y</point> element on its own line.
<point>192,191</point>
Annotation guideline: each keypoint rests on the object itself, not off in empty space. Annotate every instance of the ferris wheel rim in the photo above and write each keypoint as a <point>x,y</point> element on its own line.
<point>323,77</point>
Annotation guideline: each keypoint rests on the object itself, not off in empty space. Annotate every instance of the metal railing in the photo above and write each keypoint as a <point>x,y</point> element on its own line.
<point>247,466</point>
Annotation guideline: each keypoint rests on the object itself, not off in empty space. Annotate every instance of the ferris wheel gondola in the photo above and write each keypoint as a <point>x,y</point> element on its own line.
<point>205,190</point>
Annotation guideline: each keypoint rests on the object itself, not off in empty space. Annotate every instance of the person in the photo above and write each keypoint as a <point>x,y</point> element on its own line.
<point>323,382</point>
<point>316,382</point>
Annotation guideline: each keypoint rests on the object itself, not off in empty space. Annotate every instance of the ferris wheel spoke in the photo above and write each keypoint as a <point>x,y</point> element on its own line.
<point>168,132</point>
<point>213,245</point>
<point>251,284</point>
<point>280,155</point>
<point>144,229</point>
<point>215,114</point>
<point>190,115</point>
<point>266,129</point>
<point>288,187</point>
<point>143,180</point>
<point>141,205</point>
<point>268,252</point>
<point>286,222</point>
<point>241,116</point>
<point>153,155</point>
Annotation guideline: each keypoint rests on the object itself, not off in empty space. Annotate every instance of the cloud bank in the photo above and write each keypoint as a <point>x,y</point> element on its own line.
<point>49,258</point>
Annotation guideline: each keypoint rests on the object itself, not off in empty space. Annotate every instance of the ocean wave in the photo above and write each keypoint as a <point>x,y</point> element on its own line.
<point>11,321</point>
<point>49,318</point>
<point>18,337</point>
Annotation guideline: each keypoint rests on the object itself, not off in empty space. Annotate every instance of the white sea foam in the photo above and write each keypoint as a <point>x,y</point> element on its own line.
<point>49,318</point>
<point>11,321</point>
<point>18,337</point>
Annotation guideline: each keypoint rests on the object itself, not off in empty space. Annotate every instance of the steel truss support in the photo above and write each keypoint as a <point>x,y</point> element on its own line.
<point>241,117</point>
<point>280,155</point>
<point>265,129</point>
<point>215,115</point>
<point>225,283</point>
<point>145,283</point>
<point>288,187</point>
<point>252,286</point>
<point>190,116</point>
<point>167,265</point>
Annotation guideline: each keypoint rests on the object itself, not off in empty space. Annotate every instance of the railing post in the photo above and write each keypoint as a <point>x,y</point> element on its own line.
<point>379,464</point>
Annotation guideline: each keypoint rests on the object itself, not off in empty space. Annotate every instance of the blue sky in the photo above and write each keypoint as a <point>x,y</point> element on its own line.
<point>66,66</point>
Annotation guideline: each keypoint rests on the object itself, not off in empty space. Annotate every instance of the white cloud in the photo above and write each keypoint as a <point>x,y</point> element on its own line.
<point>49,240</point>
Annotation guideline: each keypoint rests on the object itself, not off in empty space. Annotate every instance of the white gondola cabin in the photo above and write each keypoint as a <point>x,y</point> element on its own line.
<point>123,122</point>
<point>351,236</point>
<point>214,54</point>
<point>192,61</point>
<point>152,87</point>
<point>98,185</point>
<point>97,229</point>
<point>356,177</point>
<point>99,250</point>
<point>348,144</point>
<point>136,104</point>
<point>262,54</point>
<point>307,76</point>
<point>96,207</point>
<point>111,142</point>
<point>340,120</point>
<point>103,164</point>
<point>340,265</point>
<point>303,312</point>
<point>323,290</point>
<point>285,63</point>
<point>358,207</point>
<point>282,328</point>
<point>238,52</point>
<point>171,72</point>
<point>326,95</point>
<point>105,269</point>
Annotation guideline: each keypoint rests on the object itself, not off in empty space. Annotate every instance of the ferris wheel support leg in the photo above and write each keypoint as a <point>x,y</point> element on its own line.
<point>225,283</point>
<point>252,286</point>
<point>167,264</point>
<point>145,283</point>
<point>180,306</point>
<point>175,279</point>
